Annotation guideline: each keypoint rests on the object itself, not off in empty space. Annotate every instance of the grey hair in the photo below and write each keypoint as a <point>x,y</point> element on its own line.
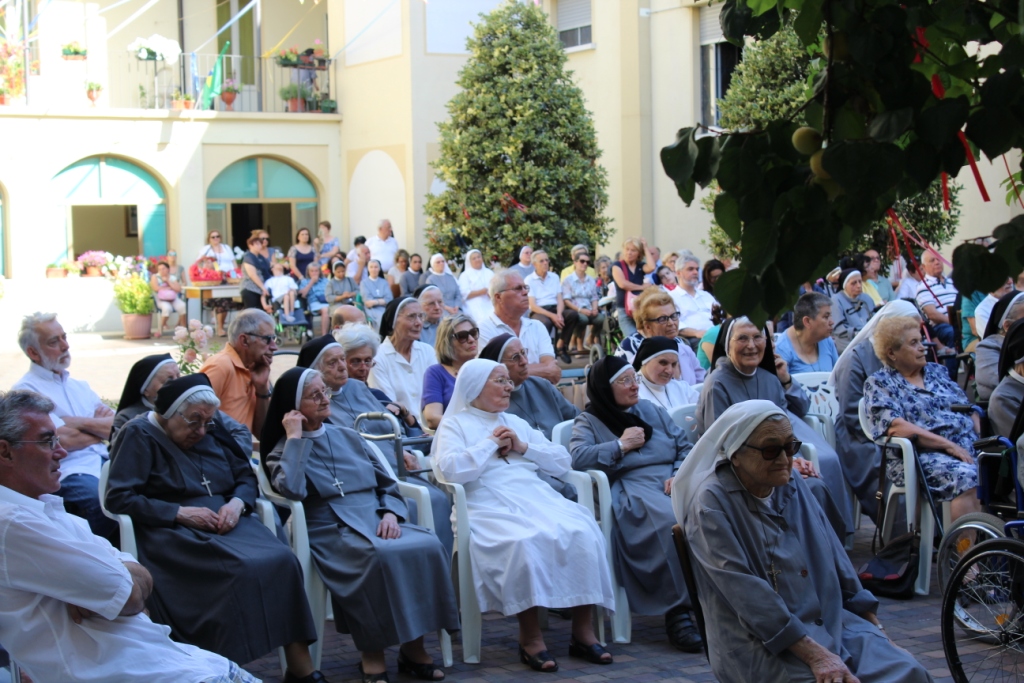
<point>14,405</point>
<point>444,345</point>
<point>537,253</point>
<point>687,256</point>
<point>578,249</point>
<point>204,398</point>
<point>248,321</point>
<point>308,377</point>
<point>809,305</point>
<point>28,336</point>
<point>499,282</point>
<point>354,336</point>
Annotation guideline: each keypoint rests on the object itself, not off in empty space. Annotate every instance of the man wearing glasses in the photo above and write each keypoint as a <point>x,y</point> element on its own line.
<point>511,298</point>
<point>240,374</point>
<point>83,420</point>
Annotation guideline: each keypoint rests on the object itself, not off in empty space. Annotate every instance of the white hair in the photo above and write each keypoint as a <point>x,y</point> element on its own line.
<point>248,321</point>
<point>499,283</point>
<point>354,336</point>
<point>28,335</point>
<point>204,398</point>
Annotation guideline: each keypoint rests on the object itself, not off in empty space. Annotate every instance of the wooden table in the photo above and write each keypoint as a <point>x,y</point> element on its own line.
<point>195,295</point>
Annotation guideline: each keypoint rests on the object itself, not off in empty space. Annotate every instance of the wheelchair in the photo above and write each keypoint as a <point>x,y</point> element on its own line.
<point>610,335</point>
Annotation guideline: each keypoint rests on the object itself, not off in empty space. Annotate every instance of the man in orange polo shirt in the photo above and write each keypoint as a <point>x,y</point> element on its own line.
<point>240,374</point>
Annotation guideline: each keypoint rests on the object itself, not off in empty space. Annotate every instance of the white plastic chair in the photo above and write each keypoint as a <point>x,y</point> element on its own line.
<point>913,493</point>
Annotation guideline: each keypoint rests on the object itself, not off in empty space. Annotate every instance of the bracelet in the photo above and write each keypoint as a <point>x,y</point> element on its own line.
<point>266,395</point>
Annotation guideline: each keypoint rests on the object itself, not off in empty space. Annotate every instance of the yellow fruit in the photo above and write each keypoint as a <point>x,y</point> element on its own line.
<point>816,166</point>
<point>806,140</point>
<point>842,47</point>
<point>831,187</point>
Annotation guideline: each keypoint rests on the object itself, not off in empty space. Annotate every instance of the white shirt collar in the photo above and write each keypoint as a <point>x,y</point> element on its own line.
<point>14,498</point>
<point>42,373</point>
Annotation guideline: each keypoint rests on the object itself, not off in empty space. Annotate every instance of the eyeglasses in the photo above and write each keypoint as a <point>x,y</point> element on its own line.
<point>583,260</point>
<point>53,442</point>
<point>172,253</point>
<point>503,380</point>
<point>195,425</point>
<point>359,362</point>
<point>769,453</point>
<point>465,335</point>
<point>743,339</point>
<point>214,237</point>
<point>517,358</point>
<point>519,288</point>
<point>264,239</point>
<point>269,339</point>
<point>627,381</point>
<point>661,320</point>
<point>320,396</point>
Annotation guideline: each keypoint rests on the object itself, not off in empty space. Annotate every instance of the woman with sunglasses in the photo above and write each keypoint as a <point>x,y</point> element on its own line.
<point>745,368</point>
<point>580,294</point>
<point>456,344</point>
<point>220,252</point>
<point>781,599</point>
<point>639,448</point>
<point>256,271</point>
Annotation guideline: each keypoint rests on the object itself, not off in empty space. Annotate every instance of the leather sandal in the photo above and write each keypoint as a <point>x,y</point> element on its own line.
<point>591,653</point>
<point>382,677</point>
<point>537,661</point>
<point>424,672</point>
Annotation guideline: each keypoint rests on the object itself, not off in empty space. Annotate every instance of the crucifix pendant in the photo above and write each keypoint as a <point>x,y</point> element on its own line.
<point>774,573</point>
<point>206,482</point>
<point>337,484</point>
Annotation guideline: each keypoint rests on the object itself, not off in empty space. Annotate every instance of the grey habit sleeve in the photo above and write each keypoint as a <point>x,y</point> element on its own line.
<point>797,400</point>
<point>239,433</point>
<point>246,487</point>
<point>128,477</point>
<point>388,497</point>
<point>286,465</point>
<point>588,451</point>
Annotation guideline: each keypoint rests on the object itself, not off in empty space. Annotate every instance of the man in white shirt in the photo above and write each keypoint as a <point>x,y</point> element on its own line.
<point>548,306</point>
<point>83,420</point>
<point>934,295</point>
<point>511,299</point>
<point>70,604</point>
<point>694,304</point>
<point>356,268</point>
<point>383,246</point>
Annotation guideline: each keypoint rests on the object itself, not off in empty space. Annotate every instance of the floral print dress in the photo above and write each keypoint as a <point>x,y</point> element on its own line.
<point>888,396</point>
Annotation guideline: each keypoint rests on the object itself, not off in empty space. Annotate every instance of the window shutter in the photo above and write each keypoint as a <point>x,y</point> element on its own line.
<point>573,14</point>
<point>710,27</point>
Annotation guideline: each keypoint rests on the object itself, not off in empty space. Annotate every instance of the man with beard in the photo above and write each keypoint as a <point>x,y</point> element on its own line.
<point>83,421</point>
<point>694,304</point>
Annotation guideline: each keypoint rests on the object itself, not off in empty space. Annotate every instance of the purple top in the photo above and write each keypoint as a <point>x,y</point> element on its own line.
<point>438,385</point>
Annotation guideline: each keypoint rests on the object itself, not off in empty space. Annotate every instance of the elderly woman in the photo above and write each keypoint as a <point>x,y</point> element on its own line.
<point>1006,400</point>
<point>852,308</point>
<point>807,345</point>
<point>361,344</point>
<point>473,286</point>
<point>580,294</point>
<point>388,579</point>
<point>657,362</point>
<point>640,448</point>
<point>167,290</point>
<point>781,600</point>
<point>376,292</point>
<point>628,275</point>
<point>403,359</point>
<point>746,368</point>
<point>440,275</point>
<point>859,457</point>
<point>222,581</point>
<point>656,315</point>
<point>456,344</point>
<point>523,533</point>
<point>523,261</point>
<point>913,399</point>
<point>140,389</point>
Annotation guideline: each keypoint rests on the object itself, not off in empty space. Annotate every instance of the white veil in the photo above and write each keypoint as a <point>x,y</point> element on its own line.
<point>469,384</point>
<point>890,310</point>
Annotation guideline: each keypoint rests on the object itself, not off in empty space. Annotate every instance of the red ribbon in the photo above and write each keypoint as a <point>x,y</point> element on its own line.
<point>893,218</point>
<point>1013,181</point>
<point>465,213</point>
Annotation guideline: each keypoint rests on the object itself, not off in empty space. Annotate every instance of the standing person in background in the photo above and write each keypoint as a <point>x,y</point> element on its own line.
<point>301,254</point>
<point>878,289</point>
<point>327,246</point>
<point>473,286</point>
<point>411,278</point>
<point>432,303</point>
<point>383,246</point>
<point>440,275</point>
<point>255,272</point>
<point>222,253</point>
<point>547,305</point>
<point>628,275</point>
<point>523,263</point>
<point>396,274</point>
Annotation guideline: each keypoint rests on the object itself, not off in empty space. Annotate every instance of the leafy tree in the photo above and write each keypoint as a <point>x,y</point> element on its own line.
<point>519,151</point>
<point>890,101</point>
<point>772,83</point>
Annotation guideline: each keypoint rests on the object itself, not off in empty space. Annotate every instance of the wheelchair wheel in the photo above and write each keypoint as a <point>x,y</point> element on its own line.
<point>965,533</point>
<point>982,617</point>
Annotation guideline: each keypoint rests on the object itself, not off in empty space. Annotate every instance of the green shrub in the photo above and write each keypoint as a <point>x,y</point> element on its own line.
<point>132,294</point>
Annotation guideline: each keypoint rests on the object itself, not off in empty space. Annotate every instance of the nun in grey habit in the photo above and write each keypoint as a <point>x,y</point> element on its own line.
<point>1006,400</point>
<point>986,353</point>
<point>389,580</point>
<point>727,385</point>
<point>640,448</point>
<point>351,398</point>
<point>221,580</point>
<point>144,380</point>
<point>860,457</point>
<point>781,599</point>
<point>851,308</point>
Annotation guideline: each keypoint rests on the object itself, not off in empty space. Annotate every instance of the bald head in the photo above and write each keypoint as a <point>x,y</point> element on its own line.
<point>347,314</point>
<point>931,264</point>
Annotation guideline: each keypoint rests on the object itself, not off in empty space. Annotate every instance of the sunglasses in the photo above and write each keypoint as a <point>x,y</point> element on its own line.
<point>466,335</point>
<point>264,239</point>
<point>214,237</point>
<point>583,260</point>
<point>771,452</point>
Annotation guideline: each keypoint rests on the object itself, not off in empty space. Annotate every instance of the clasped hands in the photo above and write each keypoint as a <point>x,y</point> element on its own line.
<point>507,441</point>
<point>206,519</point>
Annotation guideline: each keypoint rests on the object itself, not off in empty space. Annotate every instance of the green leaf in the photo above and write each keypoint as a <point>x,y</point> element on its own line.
<point>937,124</point>
<point>922,163</point>
<point>737,291</point>
<point>890,125</point>
<point>760,244</point>
<point>727,215</point>
<point>734,18</point>
<point>808,22</point>
<point>678,160</point>
<point>709,156</point>
<point>994,130</point>
<point>864,169</point>
<point>847,125</point>
<point>1002,89</point>
<point>759,7</point>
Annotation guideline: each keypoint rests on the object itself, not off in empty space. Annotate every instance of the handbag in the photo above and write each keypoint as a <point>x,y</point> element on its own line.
<point>166,294</point>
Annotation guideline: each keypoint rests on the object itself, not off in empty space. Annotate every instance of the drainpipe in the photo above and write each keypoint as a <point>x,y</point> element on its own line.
<point>181,42</point>
<point>258,9</point>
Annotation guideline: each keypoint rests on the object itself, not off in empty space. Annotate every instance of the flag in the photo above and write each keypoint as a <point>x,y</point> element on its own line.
<point>215,80</point>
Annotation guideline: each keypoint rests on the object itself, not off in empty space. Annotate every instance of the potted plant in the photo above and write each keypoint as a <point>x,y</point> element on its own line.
<point>92,91</point>
<point>288,57</point>
<point>134,299</point>
<point>296,96</point>
<point>73,52</point>
<point>94,262</point>
<point>3,95</point>
<point>186,101</point>
<point>228,93</point>
<point>55,271</point>
<point>328,106</point>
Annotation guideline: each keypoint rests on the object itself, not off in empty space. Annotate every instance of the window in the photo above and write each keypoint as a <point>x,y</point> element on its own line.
<point>574,22</point>
<point>718,60</point>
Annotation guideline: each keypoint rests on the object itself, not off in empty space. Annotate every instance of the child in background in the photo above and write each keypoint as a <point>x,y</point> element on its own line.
<point>282,291</point>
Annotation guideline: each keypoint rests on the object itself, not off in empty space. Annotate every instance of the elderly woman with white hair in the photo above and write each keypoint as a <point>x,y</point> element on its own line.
<point>440,275</point>
<point>781,599</point>
<point>529,546</point>
<point>222,581</point>
<point>403,359</point>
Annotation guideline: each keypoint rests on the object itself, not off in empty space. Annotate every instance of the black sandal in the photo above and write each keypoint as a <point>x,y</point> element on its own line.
<point>424,672</point>
<point>537,661</point>
<point>591,653</point>
<point>382,677</point>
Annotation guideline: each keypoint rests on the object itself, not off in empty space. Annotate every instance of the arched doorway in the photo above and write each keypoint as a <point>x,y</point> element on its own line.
<point>112,205</point>
<point>261,193</point>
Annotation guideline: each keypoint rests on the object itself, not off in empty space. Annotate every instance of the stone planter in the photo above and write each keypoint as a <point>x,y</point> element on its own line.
<point>74,57</point>
<point>137,326</point>
<point>55,273</point>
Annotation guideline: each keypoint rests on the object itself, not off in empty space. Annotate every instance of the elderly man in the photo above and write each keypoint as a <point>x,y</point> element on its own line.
<point>432,301</point>
<point>347,314</point>
<point>694,304</point>
<point>356,268</point>
<point>71,603</point>
<point>240,374</point>
<point>511,299</point>
<point>83,420</point>
<point>935,295</point>
<point>383,246</point>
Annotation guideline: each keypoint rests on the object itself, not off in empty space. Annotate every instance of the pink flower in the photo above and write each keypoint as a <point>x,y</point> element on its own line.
<point>190,355</point>
<point>199,337</point>
<point>209,331</point>
<point>194,325</point>
<point>180,335</point>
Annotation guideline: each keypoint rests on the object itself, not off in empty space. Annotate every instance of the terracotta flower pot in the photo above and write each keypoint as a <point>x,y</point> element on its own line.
<point>137,326</point>
<point>93,271</point>
<point>187,104</point>
<point>296,104</point>
<point>228,98</point>
<point>54,273</point>
<point>93,95</point>
<point>177,104</point>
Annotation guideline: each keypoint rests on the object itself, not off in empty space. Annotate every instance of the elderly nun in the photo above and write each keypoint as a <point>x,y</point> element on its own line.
<point>473,283</point>
<point>859,456</point>
<point>529,546</point>
<point>640,448</point>
<point>781,600</point>
<point>351,398</point>
<point>1009,394</point>
<point>144,381</point>
<point>657,365</point>
<point>851,308</point>
<point>402,360</point>
<point>388,579</point>
<point>440,275</point>
<point>221,580</point>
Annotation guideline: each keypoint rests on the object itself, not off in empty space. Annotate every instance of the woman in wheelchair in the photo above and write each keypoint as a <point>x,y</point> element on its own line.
<point>912,398</point>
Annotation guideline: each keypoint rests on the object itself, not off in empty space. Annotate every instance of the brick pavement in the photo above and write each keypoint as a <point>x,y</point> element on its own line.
<point>913,624</point>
